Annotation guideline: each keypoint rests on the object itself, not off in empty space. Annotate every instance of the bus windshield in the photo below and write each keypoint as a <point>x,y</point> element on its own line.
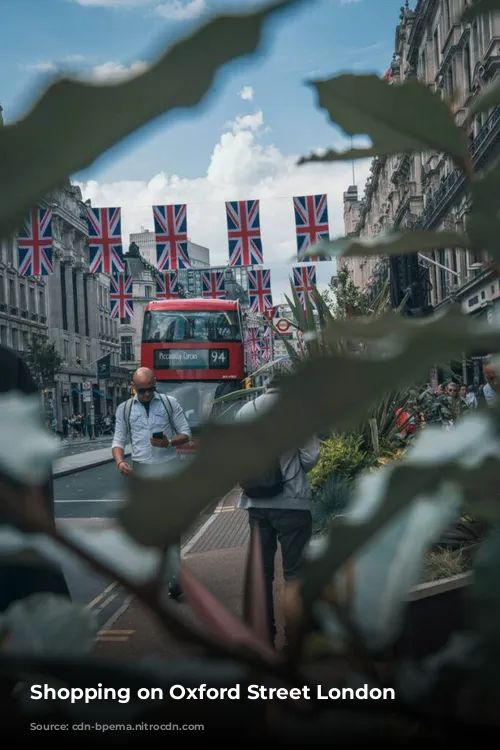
<point>193,326</point>
<point>197,399</point>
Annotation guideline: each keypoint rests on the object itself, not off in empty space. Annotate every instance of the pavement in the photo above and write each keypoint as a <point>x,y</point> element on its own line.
<point>88,490</point>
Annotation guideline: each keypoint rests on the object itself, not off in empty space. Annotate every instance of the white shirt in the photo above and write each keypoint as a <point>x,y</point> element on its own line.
<point>143,425</point>
<point>489,394</point>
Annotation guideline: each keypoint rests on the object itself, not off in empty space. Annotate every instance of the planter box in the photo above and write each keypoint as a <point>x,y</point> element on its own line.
<point>435,611</point>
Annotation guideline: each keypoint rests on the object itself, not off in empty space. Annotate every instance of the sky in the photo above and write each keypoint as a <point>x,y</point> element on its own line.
<point>242,142</point>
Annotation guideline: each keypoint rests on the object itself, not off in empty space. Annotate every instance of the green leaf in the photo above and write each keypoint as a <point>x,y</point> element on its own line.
<point>488,98</point>
<point>479,8</point>
<point>398,118</point>
<point>483,224</point>
<point>308,403</point>
<point>46,624</point>
<point>74,122</point>
<point>392,243</point>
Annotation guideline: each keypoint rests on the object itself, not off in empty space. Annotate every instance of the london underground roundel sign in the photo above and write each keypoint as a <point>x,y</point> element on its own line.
<point>283,326</point>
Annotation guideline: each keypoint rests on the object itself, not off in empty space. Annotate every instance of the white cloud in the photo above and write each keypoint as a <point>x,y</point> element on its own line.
<point>113,3</point>
<point>246,93</point>
<point>181,10</point>
<point>45,66</point>
<point>113,71</point>
<point>241,167</point>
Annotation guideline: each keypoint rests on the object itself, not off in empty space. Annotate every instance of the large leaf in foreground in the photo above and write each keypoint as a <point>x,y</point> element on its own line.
<point>160,508</point>
<point>398,118</point>
<point>390,243</point>
<point>479,8</point>
<point>75,122</point>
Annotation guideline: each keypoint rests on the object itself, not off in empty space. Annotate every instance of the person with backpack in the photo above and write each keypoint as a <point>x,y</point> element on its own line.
<point>279,503</point>
<point>155,425</point>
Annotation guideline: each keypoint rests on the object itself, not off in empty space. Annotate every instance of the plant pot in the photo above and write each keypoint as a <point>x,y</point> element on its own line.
<point>435,611</point>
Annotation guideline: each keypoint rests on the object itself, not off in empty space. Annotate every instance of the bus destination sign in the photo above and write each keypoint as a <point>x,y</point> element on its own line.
<point>191,359</point>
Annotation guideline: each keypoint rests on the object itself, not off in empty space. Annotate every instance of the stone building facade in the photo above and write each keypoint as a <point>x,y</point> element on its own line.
<point>426,190</point>
<point>70,308</point>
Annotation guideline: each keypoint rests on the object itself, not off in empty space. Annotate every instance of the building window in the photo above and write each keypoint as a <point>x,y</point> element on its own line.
<point>3,335</point>
<point>12,293</point>
<point>435,44</point>
<point>86,306</point>
<point>41,303</point>
<point>147,292</point>
<point>64,298</point>
<point>26,340</point>
<point>468,79</point>
<point>75,300</point>
<point>15,338</point>
<point>32,302</point>
<point>10,250</point>
<point>87,348</point>
<point>2,290</point>
<point>127,350</point>
<point>66,350</point>
<point>22,297</point>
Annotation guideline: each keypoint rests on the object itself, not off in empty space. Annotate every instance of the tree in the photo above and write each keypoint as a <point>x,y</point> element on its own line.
<point>44,361</point>
<point>344,298</point>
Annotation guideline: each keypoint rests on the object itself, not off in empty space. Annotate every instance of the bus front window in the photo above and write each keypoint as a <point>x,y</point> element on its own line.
<point>169,326</point>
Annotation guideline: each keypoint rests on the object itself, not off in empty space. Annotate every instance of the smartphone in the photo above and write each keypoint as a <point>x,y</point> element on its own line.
<point>158,435</point>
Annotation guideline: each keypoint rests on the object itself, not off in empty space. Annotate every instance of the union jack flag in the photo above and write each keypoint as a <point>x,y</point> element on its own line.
<point>252,344</point>
<point>171,237</point>
<point>35,244</point>
<point>243,233</point>
<point>304,279</point>
<point>105,240</point>
<point>121,297</point>
<point>167,285</point>
<point>311,223</point>
<point>259,290</point>
<point>213,284</point>
<point>264,349</point>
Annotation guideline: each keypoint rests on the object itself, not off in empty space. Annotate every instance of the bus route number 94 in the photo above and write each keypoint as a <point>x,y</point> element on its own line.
<point>219,359</point>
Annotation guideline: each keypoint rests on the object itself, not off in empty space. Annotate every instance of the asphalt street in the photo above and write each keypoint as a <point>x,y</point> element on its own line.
<point>72,447</point>
<point>90,498</point>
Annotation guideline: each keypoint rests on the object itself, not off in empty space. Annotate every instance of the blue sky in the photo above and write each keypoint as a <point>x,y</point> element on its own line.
<point>206,156</point>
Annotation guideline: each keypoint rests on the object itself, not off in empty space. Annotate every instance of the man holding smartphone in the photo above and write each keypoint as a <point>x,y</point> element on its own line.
<point>155,425</point>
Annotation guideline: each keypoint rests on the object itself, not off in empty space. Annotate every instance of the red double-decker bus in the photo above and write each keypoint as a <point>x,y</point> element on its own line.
<point>195,348</point>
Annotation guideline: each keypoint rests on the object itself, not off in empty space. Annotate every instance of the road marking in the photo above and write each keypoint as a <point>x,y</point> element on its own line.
<point>226,509</point>
<point>186,548</point>
<point>112,639</point>
<point>116,632</point>
<point>107,601</point>
<point>118,613</point>
<point>100,596</point>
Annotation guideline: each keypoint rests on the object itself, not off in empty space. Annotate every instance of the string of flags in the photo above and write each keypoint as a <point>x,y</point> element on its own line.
<point>245,248</point>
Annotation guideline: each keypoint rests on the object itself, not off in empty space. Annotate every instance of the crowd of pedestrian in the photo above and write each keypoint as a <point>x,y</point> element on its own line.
<point>445,403</point>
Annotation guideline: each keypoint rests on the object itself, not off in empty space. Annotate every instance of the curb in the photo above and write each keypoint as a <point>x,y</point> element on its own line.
<point>58,473</point>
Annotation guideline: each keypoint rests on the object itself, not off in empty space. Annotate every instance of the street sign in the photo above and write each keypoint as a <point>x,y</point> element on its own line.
<point>86,385</point>
<point>283,325</point>
<point>87,397</point>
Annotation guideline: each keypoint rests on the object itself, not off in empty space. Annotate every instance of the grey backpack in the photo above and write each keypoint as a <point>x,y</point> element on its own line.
<point>166,405</point>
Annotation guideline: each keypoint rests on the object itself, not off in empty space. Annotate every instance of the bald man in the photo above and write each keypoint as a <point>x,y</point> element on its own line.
<point>154,424</point>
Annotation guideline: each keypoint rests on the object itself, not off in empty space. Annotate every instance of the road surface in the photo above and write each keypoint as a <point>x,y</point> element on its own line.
<point>215,549</point>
